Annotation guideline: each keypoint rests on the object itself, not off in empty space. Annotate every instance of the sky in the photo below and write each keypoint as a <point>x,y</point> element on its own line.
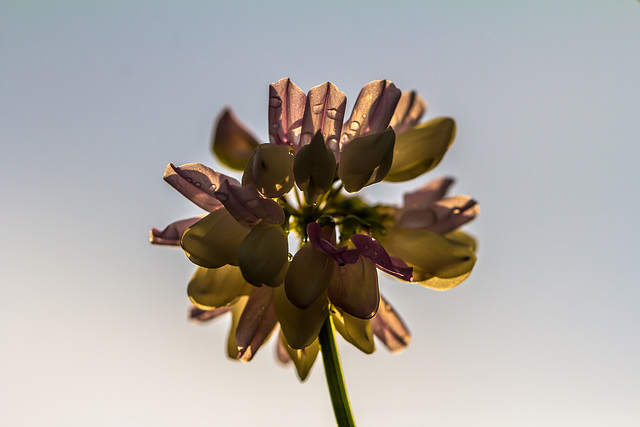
<point>96,98</point>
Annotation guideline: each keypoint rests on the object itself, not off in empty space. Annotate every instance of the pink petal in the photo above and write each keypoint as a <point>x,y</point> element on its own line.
<point>369,247</point>
<point>342,255</point>
<point>372,111</point>
<point>324,111</point>
<point>441,217</point>
<point>281,351</point>
<point>201,315</point>
<point>172,234</point>
<point>256,323</point>
<point>427,194</point>
<point>247,206</point>
<point>286,108</point>
<point>389,327</point>
<point>408,112</point>
<point>197,183</point>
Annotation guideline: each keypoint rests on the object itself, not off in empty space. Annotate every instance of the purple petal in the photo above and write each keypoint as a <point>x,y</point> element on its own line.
<point>324,111</point>
<point>256,323</point>
<point>172,234</point>
<point>441,217</point>
<point>286,108</point>
<point>408,112</point>
<point>281,351</point>
<point>247,206</point>
<point>200,315</point>
<point>389,327</point>
<point>197,183</point>
<point>232,142</point>
<point>427,194</point>
<point>372,249</point>
<point>342,255</point>
<point>372,111</point>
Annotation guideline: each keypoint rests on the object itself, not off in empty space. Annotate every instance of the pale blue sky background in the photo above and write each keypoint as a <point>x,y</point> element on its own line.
<point>97,97</point>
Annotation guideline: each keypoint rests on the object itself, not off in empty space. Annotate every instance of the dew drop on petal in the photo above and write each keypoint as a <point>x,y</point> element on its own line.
<point>213,188</point>
<point>366,246</point>
<point>189,180</point>
<point>317,109</point>
<point>456,211</point>
<point>289,256</point>
<point>275,102</point>
<point>364,116</point>
<point>275,126</point>
<point>355,126</point>
<point>198,184</point>
<point>332,113</point>
<point>375,253</point>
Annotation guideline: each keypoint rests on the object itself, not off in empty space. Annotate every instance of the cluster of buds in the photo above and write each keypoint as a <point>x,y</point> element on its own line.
<point>303,182</point>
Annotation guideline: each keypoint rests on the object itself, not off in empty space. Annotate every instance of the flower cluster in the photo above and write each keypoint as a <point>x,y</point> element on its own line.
<point>303,182</point>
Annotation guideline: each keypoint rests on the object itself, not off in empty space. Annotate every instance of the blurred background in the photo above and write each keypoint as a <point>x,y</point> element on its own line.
<point>96,98</point>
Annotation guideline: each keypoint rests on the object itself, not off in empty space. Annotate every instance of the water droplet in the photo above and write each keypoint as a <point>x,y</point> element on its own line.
<point>275,102</point>
<point>189,180</point>
<point>375,253</point>
<point>456,211</point>
<point>354,126</point>
<point>289,256</point>
<point>364,116</point>
<point>213,188</point>
<point>275,126</point>
<point>317,109</point>
<point>332,113</point>
<point>366,246</point>
<point>198,185</point>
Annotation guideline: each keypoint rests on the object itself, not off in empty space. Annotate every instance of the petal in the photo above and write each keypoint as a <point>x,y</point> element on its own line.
<point>314,168</point>
<point>308,276</point>
<point>356,331</point>
<point>462,237</point>
<point>236,311</point>
<point>247,206</point>
<point>342,255</point>
<point>408,112</point>
<point>428,251</point>
<point>324,112</point>
<point>437,283</point>
<point>429,193</point>
<point>232,143</point>
<point>369,247</point>
<point>270,170</point>
<point>300,327</point>
<point>372,111</point>
<point>263,255</point>
<point>354,288</point>
<point>420,149</point>
<point>256,323</point>
<point>282,355</point>
<point>211,288</point>
<point>303,358</point>
<point>366,160</point>
<point>389,327</point>
<point>442,216</point>
<point>199,315</point>
<point>286,107</point>
<point>197,183</point>
<point>214,240</point>
<point>173,232</point>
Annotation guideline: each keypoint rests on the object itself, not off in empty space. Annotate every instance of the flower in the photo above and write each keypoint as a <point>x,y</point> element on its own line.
<point>242,248</point>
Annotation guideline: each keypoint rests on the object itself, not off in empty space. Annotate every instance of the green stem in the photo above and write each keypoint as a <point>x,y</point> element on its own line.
<point>333,372</point>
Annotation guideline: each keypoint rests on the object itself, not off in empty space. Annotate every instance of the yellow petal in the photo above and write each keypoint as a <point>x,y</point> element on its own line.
<point>366,160</point>
<point>308,276</point>
<point>420,149</point>
<point>270,169</point>
<point>303,358</point>
<point>300,327</point>
<point>236,312</point>
<point>356,331</point>
<point>430,252</point>
<point>263,254</point>
<point>214,240</point>
<point>211,288</point>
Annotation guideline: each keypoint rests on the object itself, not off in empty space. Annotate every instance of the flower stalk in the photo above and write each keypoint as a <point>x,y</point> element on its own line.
<point>333,372</point>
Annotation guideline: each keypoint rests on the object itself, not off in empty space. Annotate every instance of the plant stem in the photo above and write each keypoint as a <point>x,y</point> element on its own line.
<point>333,372</point>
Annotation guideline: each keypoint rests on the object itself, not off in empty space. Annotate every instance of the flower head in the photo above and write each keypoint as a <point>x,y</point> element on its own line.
<point>241,247</point>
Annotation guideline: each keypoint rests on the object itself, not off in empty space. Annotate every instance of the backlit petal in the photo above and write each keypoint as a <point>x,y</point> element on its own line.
<point>308,276</point>
<point>300,327</point>
<point>211,288</point>
<point>232,143</point>
<point>408,112</point>
<point>197,183</point>
<point>247,206</point>
<point>270,170</point>
<point>389,327</point>
<point>256,323</point>
<point>286,108</point>
<point>372,111</point>
<point>263,255</point>
<point>236,311</point>
<point>420,149</point>
<point>314,168</point>
<point>324,112</point>
<point>303,358</point>
<point>354,288</point>
<point>369,247</point>
<point>355,330</point>
<point>366,160</point>
<point>172,233</point>
<point>429,193</point>
<point>200,315</point>
<point>214,240</point>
